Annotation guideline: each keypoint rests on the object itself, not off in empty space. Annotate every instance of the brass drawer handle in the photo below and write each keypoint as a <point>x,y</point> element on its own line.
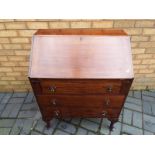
<point>109,89</point>
<point>53,102</point>
<point>52,89</point>
<point>56,113</point>
<point>104,113</point>
<point>107,102</point>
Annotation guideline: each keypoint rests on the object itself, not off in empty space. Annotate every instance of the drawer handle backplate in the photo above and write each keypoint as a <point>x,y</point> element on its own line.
<point>57,113</point>
<point>104,113</point>
<point>53,102</point>
<point>52,89</point>
<point>109,89</point>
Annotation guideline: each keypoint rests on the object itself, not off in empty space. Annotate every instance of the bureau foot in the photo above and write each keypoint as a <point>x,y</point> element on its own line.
<point>112,124</point>
<point>48,124</point>
<point>47,121</point>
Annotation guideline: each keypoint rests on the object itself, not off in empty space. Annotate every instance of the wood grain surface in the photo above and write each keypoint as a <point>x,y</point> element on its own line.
<point>79,31</point>
<point>81,56</point>
<point>94,101</point>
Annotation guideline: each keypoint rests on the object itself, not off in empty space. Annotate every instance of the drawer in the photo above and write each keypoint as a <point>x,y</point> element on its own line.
<point>80,86</point>
<point>94,101</point>
<point>81,112</point>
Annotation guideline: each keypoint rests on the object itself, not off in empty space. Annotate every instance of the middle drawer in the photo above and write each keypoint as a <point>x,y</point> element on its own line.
<point>109,101</point>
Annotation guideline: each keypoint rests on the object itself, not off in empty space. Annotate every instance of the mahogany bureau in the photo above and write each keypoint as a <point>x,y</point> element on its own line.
<point>81,72</point>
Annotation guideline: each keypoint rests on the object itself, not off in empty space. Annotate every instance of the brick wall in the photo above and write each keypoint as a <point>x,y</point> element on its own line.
<point>15,44</point>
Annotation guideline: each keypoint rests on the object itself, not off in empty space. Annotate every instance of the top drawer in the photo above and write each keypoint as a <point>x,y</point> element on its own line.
<point>68,86</point>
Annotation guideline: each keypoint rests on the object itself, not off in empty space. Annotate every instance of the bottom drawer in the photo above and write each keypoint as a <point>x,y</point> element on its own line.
<point>80,112</point>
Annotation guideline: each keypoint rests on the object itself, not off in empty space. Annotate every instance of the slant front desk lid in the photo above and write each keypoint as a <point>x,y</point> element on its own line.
<point>81,54</point>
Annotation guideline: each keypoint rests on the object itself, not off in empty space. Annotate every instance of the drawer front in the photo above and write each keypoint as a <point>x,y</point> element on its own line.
<point>81,112</point>
<point>94,101</point>
<point>81,86</point>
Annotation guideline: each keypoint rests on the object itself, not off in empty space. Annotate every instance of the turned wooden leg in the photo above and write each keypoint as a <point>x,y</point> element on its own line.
<point>112,124</point>
<point>48,125</point>
<point>47,121</point>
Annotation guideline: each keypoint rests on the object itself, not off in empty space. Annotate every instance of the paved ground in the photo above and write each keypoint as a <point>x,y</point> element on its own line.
<point>19,115</point>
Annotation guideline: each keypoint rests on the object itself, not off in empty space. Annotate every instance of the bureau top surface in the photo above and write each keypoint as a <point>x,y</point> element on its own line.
<point>81,54</point>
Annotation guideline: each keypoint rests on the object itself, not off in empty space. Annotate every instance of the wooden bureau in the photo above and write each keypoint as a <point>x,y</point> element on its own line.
<point>81,72</point>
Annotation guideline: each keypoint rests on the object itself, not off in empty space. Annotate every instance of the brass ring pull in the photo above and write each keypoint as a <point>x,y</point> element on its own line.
<point>104,113</point>
<point>57,113</point>
<point>54,102</point>
<point>52,89</point>
<point>109,89</point>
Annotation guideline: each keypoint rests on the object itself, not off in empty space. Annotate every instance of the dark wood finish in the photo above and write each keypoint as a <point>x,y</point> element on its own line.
<point>84,31</point>
<point>80,86</point>
<point>81,72</point>
<point>94,101</point>
<point>81,112</point>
